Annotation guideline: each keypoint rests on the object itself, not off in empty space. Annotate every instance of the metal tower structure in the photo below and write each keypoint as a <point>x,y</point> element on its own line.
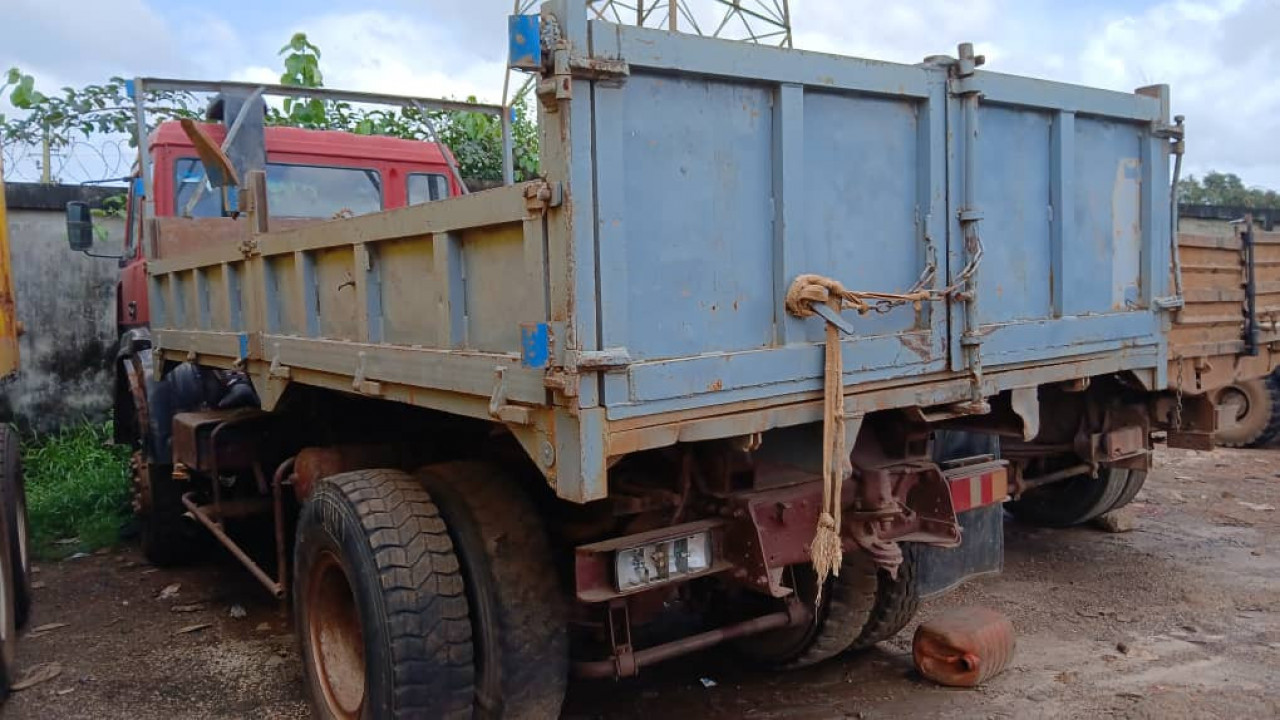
<point>767,22</point>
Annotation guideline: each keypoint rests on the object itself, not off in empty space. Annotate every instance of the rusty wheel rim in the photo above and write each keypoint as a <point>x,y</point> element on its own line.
<point>1236,401</point>
<point>335,642</point>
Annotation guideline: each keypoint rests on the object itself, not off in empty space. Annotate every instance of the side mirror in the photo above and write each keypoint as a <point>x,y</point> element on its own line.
<point>79,226</point>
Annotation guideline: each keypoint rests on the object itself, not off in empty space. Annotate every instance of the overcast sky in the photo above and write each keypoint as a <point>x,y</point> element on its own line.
<point>1222,57</point>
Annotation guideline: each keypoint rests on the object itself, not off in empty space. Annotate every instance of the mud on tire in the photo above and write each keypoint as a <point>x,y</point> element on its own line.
<point>13,498</point>
<point>8,612</point>
<point>1257,410</point>
<point>380,605</point>
<point>518,607</point>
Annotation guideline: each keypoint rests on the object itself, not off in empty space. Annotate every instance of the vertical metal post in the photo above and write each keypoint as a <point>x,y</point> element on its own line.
<point>140,127</point>
<point>970,216</point>
<point>1250,290</point>
<point>673,15</point>
<point>508,164</point>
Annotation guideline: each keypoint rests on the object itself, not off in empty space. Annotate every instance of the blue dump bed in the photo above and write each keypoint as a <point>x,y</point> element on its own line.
<point>636,297</point>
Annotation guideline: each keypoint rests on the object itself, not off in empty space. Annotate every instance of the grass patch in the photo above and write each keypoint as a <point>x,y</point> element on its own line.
<point>77,487</point>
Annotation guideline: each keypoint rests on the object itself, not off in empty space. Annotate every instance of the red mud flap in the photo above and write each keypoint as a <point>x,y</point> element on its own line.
<point>977,494</point>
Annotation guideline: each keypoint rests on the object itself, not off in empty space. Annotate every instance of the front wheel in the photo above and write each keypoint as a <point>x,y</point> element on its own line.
<point>381,608</point>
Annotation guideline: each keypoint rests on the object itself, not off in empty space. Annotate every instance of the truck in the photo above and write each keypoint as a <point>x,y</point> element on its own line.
<point>1224,340</point>
<point>15,560</point>
<point>761,359</point>
<point>313,174</point>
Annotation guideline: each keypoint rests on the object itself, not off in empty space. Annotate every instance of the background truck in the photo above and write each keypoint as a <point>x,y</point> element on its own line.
<point>1224,340</point>
<point>758,361</point>
<point>15,564</point>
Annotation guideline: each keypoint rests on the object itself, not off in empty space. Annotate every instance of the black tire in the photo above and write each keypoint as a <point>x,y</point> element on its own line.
<point>8,612</point>
<point>1073,501</point>
<point>897,601</point>
<point>13,496</point>
<point>379,593</point>
<point>518,607</point>
<point>1256,408</point>
<point>168,537</point>
<point>838,621</point>
<point>1137,478</point>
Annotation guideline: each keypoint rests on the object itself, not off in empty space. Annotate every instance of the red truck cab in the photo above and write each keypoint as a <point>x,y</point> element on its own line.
<point>315,174</point>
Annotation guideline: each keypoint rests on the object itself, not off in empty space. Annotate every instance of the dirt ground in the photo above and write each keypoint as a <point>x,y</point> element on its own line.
<point>1178,619</point>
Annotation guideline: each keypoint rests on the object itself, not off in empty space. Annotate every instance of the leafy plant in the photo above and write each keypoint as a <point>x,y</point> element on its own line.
<point>77,487</point>
<point>474,138</point>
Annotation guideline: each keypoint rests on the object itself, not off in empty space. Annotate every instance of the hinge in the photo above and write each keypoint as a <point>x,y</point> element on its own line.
<point>591,68</point>
<point>610,358</point>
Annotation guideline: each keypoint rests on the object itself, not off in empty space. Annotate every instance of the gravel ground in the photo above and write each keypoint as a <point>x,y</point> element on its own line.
<point>1178,619</point>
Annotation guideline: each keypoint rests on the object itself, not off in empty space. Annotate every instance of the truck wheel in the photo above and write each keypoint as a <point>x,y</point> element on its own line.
<point>520,616</point>
<point>1252,409</point>
<point>168,538</point>
<point>1074,501</point>
<point>838,620</point>
<point>380,603</point>
<point>13,494</point>
<point>8,612</point>
<point>896,603</point>
<point>1137,478</point>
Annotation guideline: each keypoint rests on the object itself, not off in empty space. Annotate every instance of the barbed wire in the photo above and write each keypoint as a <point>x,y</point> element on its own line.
<point>79,161</point>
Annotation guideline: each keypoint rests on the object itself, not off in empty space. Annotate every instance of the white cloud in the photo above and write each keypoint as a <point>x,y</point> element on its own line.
<point>1220,56</point>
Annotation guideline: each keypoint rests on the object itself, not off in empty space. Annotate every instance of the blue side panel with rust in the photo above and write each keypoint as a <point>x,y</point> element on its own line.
<point>724,170</point>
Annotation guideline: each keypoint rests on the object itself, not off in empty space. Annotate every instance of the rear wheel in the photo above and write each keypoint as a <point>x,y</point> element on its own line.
<point>1250,412</point>
<point>1137,478</point>
<point>13,496</point>
<point>380,603</point>
<point>1074,501</point>
<point>518,607</point>
<point>859,608</point>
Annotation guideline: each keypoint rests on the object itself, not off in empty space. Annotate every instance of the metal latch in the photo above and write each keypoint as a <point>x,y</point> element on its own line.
<point>539,196</point>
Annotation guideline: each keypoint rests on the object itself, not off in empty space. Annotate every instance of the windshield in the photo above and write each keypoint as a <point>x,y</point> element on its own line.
<point>302,191</point>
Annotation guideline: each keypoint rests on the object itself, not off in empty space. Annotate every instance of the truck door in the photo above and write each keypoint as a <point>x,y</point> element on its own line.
<point>1066,191</point>
<point>131,296</point>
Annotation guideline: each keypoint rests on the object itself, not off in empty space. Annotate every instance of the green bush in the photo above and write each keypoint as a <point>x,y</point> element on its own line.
<point>77,487</point>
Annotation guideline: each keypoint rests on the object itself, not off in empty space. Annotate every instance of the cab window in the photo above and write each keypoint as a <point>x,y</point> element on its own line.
<point>425,187</point>
<point>300,191</point>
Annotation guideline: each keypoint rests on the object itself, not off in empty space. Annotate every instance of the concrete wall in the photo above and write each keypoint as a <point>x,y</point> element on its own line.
<point>66,303</point>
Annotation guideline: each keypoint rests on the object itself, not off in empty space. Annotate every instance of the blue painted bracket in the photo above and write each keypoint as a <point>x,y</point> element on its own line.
<point>535,345</point>
<point>524,50</point>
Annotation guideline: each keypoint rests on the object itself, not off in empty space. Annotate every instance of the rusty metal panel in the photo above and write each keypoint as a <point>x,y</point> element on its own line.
<point>8,311</point>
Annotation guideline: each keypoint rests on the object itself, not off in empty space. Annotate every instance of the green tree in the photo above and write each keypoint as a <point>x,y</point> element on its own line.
<point>1217,188</point>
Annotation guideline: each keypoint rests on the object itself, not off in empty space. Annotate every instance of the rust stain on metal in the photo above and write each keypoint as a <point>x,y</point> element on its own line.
<point>917,344</point>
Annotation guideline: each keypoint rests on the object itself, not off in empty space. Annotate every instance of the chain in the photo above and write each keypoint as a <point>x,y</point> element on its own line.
<point>919,292</point>
<point>1177,403</point>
